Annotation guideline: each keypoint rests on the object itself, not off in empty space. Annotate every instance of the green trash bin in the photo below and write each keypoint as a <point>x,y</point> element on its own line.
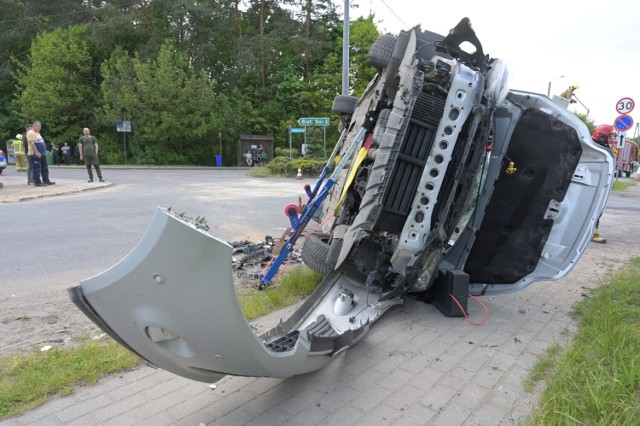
<point>49,159</point>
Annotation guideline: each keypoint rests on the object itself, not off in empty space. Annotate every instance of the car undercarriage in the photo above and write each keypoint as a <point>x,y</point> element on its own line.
<point>448,184</point>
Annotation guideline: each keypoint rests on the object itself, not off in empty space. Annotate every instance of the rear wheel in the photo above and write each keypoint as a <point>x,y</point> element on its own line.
<point>382,51</point>
<point>344,104</point>
<point>314,253</point>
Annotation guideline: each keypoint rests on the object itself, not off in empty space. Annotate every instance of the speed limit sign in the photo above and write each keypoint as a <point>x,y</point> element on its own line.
<point>625,105</point>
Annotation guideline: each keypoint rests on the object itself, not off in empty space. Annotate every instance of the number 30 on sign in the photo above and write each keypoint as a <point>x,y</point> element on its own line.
<point>625,105</point>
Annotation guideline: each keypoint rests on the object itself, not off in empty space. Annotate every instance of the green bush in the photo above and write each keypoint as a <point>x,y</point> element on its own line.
<point>285,167</point>
<point>280,166</point>
<point>310,167</point>
<point>286,153</point>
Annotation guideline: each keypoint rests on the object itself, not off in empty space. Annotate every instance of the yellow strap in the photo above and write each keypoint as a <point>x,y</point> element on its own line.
<point>352,174</point>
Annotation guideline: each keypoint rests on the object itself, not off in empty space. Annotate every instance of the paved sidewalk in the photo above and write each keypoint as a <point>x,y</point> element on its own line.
<point>15,189</point>
<point>415,366</point>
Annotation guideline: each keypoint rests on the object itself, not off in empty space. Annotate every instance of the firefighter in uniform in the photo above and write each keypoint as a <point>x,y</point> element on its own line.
<point>18,152</point>
<point>604,135</point>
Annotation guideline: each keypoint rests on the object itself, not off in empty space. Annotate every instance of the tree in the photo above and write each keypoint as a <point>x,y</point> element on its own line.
<point>58,88</point>
<point>172,108</point>
<point>587,121</point>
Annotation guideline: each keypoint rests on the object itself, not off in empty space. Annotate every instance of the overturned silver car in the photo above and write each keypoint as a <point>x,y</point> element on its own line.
<point>450,184</point>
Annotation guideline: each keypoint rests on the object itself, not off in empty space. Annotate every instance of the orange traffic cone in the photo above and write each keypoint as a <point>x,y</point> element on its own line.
<point>299,175</point>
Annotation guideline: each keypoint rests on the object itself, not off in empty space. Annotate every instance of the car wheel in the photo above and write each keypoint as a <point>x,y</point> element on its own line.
<point>382,51</point>
<point>1,170</point>
<point>343,104</point>
<point>314,253</point>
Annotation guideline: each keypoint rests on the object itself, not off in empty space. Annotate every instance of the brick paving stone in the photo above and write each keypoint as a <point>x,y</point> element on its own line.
<point>416,415</point>
<point>45,412</point>
<point>82,408</point>
<point>381,415</point>
<point>256,406</point>
<point>344,415</point>
<point>116,408</point>
<point>471,396</point>
<point>149,409</point>
<point>388,364</point>
<point>427,378</point>
<point>364,380</point>
<point>487,377</point>
<point>231,384</point>
<point>124,419</point>
<point>162,384</point>
<point>262,385</point>
<point>336,399</point>
<point>403,398</point>
<point>395,380</point>
<point>192,404</point>
<point>234,418</point>
<point>368,400</point>
<point>311,416</point>
<point>438,397</point>
<point>487,415</point>
<point>273,416</point>
<point>454,414</point>
<point>160,419</point>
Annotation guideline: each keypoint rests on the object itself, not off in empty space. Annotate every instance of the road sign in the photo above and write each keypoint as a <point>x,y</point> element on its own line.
<point>123,126</point>
<point>623,123</point>
<point>625,105</point>
<point>313,121</point>
<point>297,130</point>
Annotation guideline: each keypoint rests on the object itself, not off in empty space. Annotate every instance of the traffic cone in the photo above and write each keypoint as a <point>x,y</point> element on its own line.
<point>299,175</point>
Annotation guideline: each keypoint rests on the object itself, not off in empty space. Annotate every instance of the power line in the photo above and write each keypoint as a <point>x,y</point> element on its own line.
<point>394,14</point>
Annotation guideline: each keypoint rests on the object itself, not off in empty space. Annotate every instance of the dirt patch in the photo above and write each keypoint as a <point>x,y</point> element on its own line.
<point>31,322</point>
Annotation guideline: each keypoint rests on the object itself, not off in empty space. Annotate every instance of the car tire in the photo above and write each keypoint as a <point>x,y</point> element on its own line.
<point>1,170</point>
<point>344,104</point>
<point>382,51</point>
<point>314,253</point>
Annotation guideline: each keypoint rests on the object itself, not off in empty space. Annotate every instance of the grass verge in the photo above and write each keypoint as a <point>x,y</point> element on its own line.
<point>27,381</point>
<point>596,380</point>
<point>621,185</point>
<point>294,286</point>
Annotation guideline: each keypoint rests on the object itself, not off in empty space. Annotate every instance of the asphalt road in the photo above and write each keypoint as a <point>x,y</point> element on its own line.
<point>58,241</point>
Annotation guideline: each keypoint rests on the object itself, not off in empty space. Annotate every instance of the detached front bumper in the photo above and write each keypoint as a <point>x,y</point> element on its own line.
<point>172,301</point>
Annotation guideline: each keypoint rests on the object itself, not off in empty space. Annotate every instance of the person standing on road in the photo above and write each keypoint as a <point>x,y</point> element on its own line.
<point>88,148</point>
<point>66,154</point>
<point>54,154</point>
<point>603,135</point>
<point>76,154</point>
<point>37,154</point>
<point>25,143</point>
<point>18,152</point>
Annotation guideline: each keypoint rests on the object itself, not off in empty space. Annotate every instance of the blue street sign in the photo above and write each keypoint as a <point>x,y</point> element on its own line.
<point>297,130</point>
<point>623,122</point>
<point>314,121</point>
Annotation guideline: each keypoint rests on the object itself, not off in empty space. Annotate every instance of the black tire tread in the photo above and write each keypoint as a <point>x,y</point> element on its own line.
<point>314,253</point>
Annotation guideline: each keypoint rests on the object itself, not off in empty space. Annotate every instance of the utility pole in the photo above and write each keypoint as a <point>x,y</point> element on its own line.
<point>345,50</point>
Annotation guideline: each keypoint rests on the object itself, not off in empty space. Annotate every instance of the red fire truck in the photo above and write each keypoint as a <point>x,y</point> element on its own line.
<point>626,157</point>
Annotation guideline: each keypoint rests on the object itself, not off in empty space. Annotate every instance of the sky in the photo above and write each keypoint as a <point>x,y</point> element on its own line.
<point>593,44</point>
